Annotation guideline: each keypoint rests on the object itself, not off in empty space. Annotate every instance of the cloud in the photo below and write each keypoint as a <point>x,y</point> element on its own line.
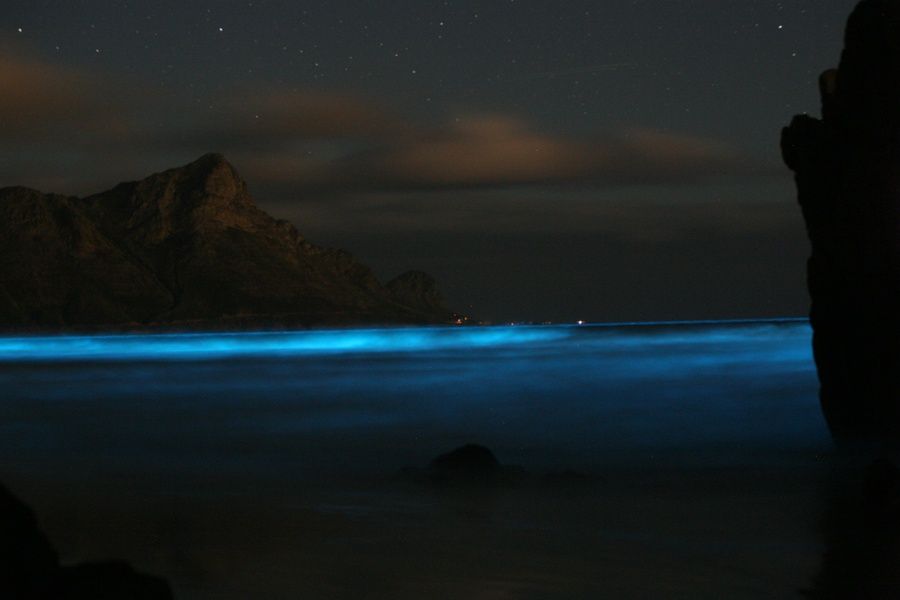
<point>290,170</point>
<point>42,100</point>
<point>637,213</point>
<point>277,124</point>
<point>65,123</point>
<point>317,140</point>
<point>473,151</point>
<point>497,151</point>
<point>289,115</point>
<point>650,156</point>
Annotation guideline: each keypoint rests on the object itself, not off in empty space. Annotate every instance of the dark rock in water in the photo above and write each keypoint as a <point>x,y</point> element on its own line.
<point>469,463</point>
<point>470,458</point>
<point>475,465</point>
<point>186,247</point>
<point>29,567</point>
<point>847,167</point>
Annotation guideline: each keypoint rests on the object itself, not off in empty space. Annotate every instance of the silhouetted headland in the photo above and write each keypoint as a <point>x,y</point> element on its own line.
<point>185,248</point>
<point>847,167</point>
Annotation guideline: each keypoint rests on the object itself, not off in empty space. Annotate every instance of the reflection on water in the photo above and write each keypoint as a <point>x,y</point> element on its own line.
<point>239,463</point>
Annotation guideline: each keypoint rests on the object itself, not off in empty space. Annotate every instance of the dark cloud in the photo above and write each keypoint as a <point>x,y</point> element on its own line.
<point>637,213</point>
<point>288,115</point>
<point>271,120</point>
<point>39,99</point>
<point>501,151</point>
<point>471,152</point>
<point>317,141</point>
<point>383,152</point>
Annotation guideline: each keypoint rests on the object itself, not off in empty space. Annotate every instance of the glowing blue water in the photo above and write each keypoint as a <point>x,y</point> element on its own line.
<point>371,400</point>
<point>212,346</point>
<point>215,346</point>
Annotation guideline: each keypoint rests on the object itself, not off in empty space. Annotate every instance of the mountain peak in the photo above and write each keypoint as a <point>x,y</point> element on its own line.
<point>211,158</point>
<point>186,245</point>
<point>206,193</point>
<point>208,183</point>
<point>417,289</point>
<point>213,174</point>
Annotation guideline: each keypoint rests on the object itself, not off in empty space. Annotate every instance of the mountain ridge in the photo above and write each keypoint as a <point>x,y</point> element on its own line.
<point>186,246</point>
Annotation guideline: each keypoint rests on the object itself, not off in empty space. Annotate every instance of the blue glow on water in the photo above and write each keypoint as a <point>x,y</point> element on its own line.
<point>199,346</point>
<point>215,346</point>
<point>563,396</point>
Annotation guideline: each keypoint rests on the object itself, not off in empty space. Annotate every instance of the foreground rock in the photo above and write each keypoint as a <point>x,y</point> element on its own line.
<point>469,463</point>
<point>468,467</point>
<point>847,167</point>
<point>186,247</point>
<point>30,570</point>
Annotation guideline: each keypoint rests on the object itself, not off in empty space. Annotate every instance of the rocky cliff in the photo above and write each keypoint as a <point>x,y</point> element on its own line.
<point>185,247</point>
<point>847,167</point>
<point>416,289</point>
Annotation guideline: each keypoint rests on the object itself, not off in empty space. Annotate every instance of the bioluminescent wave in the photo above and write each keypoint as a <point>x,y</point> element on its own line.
<point>554,395</point>
<point>200,346</point>
<point>214,346</point>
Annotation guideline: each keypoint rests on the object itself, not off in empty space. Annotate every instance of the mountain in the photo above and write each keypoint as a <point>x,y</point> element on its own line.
<point>418,290</point>
<point>185,247</point>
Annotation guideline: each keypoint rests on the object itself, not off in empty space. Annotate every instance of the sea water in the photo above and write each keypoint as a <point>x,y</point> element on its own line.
<point>178,435</point>
<point>554,395</point>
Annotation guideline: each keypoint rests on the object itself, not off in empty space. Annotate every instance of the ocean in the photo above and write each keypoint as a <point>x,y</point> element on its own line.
<point>678,460</point>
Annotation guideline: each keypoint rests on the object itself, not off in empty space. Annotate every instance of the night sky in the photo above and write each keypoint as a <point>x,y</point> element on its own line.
<point>606,161</point>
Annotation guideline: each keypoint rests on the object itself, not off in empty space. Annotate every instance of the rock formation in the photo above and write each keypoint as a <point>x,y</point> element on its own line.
<point>469,462</point>
<point>847,167</point>
<point>30,569</point>
<point>182,247</point>
<point>418,290</point>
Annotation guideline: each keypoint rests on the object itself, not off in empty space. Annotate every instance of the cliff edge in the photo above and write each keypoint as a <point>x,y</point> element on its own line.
<point>847,167</point>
